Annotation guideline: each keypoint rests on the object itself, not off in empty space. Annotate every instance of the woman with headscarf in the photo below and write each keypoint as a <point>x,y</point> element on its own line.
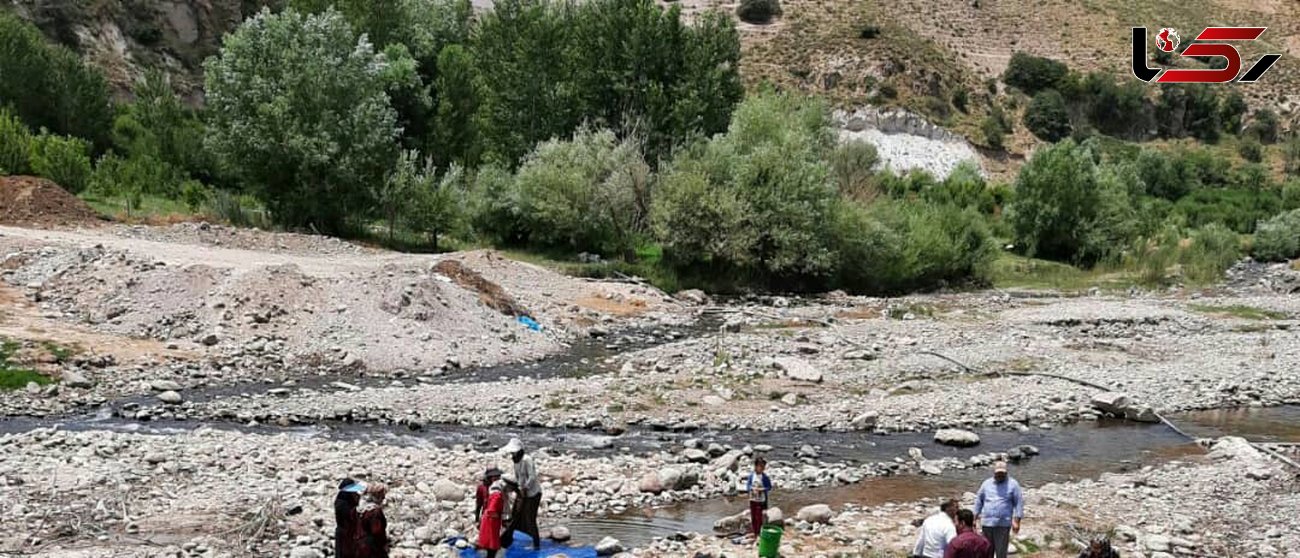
<point>372,540</point>
<point>346,525</point>
<point>493,523</point>
<point>1099,548</point>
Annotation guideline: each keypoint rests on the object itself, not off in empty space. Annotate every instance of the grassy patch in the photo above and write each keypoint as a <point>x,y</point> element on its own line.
<point>13,377</point>
<point>60,353</point>
<point>916,310</point>
<point>1012,271</point>
<point>1240,311</point>
<point>152,208</point>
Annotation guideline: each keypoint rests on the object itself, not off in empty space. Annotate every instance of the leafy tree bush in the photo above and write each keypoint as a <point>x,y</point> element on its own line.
<point>758,11</point>
<point>1032,74</point>
<point>456,133</point>
<point>1233,108</point>
<point>1291,155</point>
<point>1117,110</point>
<point>15,145</point>
<point>1235,208</point>
<point>585,195</point>
<point>755,202</point>
<point>1189,110</point>
<point>853,167</point>
<point>1291,195</point>
<point>1057,199</point>
<point>1213,249</point>
<point>1250,149</point>
<point>898,246</point>
<point>1047,118</point>
<point>1278,239</point>
<point>128,179</point>
<point>48,86</point>
<point>64,160</point>
<point>297,108</point>
<point>437,204</point>
<point>495,210</point>
<point>1265,126</point>
<point>159,125</point>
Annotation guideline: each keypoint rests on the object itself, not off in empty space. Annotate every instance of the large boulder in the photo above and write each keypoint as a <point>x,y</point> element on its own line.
<point>696,456</point>
<point>448,491</point>
<point>1112,402</point>
<point>170,398</point>
<point>957,437</point>
<point>816,513</point>
<point>560,533</point>
<point>650,484</point>
<point>608,546</point>
<point>798,369</point>
<point>75,379</point>
<point>164,385</point>
<point>866,421</point>
<point>737,523</point>
<point>1141,413</point>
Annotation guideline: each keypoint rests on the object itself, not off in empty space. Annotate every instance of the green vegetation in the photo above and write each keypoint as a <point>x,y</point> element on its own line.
<point>1032,74</point>
<point>11,375</point>
<point>1047,118</point>
<point>1278,239</point>
<point>1240,311</point>
<point>759,11</point>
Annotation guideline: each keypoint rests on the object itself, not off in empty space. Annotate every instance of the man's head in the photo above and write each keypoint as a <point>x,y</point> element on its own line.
<point>377,493</point>
<point>760,465</point>
<point>1000,471</point>
<point>966,519</point>
<point>515,449</point>
<point>949,507</point>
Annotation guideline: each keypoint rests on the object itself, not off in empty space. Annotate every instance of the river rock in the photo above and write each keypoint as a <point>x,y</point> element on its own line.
<point>774,515</point>
<point>1156,543</point>
<point>560,534</point>
<point>915,454</point>
<point>713,400</point>
<point>449,491</point>
<point>866,421</point>
<point>75,379</point>
<point>790,399</point>
<point>424,534</point>
<point>715,449</point>
<point>957,437</point>
<point>1111,402</point>
<point>651,484</point>
<point>1141,413</point>
<point>798,369</point>
<point>305,552</point>
<point>728,461</point>
<point>608,546</point>
<point>696,456</point>
<point>170,398</point>
<point>693,296</point>
<point>931,468</point>
<point>164,385</point>
<point>1259,474</point>
<point>816,513</point>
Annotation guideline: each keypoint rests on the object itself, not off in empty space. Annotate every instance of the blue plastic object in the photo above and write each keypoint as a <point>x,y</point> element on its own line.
<point>530,323</point>
<point>523,548</point>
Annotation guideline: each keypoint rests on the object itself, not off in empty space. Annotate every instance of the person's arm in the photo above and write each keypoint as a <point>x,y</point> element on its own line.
<point>949,533</point>
<point>920,541</point>
<point>749,484</point>
<point>950,552</point>
<point>1019,511</point>
<point>979,502</point>
<point>767,484</point>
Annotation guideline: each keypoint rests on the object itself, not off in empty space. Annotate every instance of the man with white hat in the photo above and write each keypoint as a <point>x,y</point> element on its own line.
<point>530,491</point>
<point>999,505</point>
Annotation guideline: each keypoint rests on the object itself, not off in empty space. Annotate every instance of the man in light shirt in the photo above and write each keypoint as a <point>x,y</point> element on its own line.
<point>530,491</point>
<point>999,506</point>
<point>936,532</point>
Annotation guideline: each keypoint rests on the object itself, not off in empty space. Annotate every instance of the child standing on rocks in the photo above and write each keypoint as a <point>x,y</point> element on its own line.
<point>758,486</point>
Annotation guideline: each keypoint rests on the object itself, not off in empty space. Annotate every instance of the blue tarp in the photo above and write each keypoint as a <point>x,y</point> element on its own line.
<point>523,548</point>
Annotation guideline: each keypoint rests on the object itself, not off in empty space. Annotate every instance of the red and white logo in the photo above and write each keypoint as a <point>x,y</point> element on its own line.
<point>1210,43</point>
<point>1167,39</point>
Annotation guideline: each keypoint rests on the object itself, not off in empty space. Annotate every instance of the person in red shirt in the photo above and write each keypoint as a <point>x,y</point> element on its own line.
<point>494,514</point>
<point>484,490</point>
<point>372,541</point>
<point>969,543</point>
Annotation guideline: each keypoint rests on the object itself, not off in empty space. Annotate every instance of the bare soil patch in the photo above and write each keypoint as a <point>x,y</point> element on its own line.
<point>27,200</point>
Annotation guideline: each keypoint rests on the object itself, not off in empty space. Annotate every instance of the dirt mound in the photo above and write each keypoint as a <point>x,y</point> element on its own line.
<point>490,293</point>
<point>31,200</point>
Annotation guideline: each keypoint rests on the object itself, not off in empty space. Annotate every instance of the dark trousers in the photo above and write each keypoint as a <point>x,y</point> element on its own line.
<point>756,516</point>
<point>526,519</point>
<point>1000,537</point>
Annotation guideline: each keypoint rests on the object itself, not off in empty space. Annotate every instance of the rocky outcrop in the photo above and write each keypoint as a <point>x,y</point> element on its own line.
<point>906,141</point>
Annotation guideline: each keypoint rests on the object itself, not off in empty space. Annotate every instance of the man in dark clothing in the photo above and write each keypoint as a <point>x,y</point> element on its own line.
<point>968,544</point>
<point>345,518</point>
<point>372,533</point>
<point>1099,548</point>
<point>484,490</point>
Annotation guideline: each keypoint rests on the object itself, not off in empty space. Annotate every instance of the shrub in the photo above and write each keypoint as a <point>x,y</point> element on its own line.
<point>1232,110</point>
<point>1047,118</point>
<point>195,195</point>
<point>15,145</point>
<point>127,179</point>
<point>1237,209</point>
<point>157,124</point>
<point>758,11</point>
<point>1189,110</point>
<point>853,166</point>
<point>494,207</point>
<point>869,32</point>
<point>754,202</point>
<point>899,246</point>
<point>960,99</point>
<point>64,160</point>
<point>1266,127</point>
<point>1213,249</point>
<point>588,194</point>
<point>1032,74</point>
<point>1250,149</point>
<point>297,107</point>
<point>1278,239</point>
<point>1117,110</point>
<point>1291,195</point>
<point>993,132</point>
<point>434,204</point>
<point>1291,155</point>
<point>1056,204</point>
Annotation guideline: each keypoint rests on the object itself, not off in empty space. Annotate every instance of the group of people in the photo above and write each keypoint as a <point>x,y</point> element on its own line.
<point>506,503</point>
<point>999,508</point>
<point>360,528</point>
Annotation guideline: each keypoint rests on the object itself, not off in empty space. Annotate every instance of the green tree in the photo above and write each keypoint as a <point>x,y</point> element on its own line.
<point>755,202</point>
<point>1189,110</point>
<point>758,11</point>
<point>1047,118</point>
<point>1291,155</point>
<point>456,131</point>
<point>1032,74</point>
<point>588,194</point>
<point>1265,126</point>
<point>159,125</point>
<point>15,145</point>
<point>1056,201</point>
<point>64,160</point>
<point>297,107</point>
<point>853,165</point>
<point>1278,239</point>
<point>437,204</point>
<point>48,86</point>
<point>1232,110</point>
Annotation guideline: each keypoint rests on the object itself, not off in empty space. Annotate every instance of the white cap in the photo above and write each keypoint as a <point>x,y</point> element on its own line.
<point>514,446</point>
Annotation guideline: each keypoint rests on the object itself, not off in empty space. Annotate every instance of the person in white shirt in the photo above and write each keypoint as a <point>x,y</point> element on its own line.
<point>936,532</point>
<point>530,491</point>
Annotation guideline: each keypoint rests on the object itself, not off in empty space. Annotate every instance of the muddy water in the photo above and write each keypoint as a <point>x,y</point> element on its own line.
<point>1068,453</point>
